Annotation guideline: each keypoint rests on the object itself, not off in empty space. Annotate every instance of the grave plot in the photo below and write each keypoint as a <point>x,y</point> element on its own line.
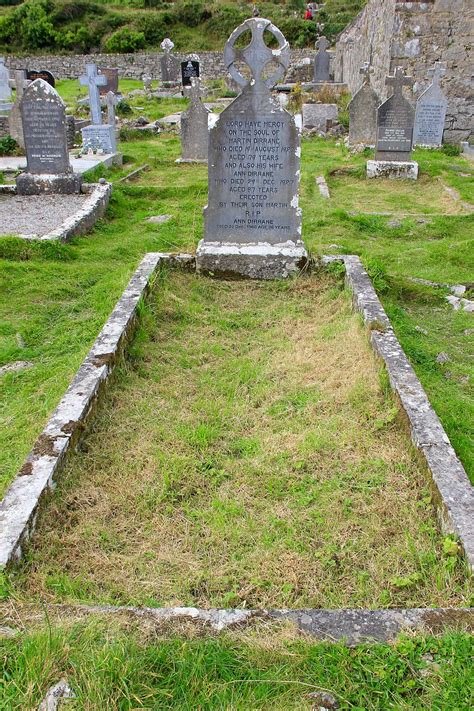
<point>250,455</point>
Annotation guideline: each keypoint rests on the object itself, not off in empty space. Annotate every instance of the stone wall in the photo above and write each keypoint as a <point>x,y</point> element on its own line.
<point>415,35</point>
<point>130,66</point>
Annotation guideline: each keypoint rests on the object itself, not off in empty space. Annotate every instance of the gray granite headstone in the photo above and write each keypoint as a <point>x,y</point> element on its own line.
<point>322,61</point>
<point>194,127</point>
<point>395,120</point>
<point>431,110</point>
<point>93,81</point>
<point>169,64</point>
<point>254,168</point>
<point>363,112</point>
<point>5,90</point>
<point>45,133</point>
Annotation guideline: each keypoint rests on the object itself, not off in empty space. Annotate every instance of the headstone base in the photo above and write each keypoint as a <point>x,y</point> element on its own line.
<point>396,170</point>
<point>64,184</point>
<point>252,261</point>
<point>99,137</point>
<point>190,160</point>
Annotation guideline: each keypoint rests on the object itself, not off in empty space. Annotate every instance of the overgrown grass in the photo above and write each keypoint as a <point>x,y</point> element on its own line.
<point>252,416</point>
<point>111,667</point>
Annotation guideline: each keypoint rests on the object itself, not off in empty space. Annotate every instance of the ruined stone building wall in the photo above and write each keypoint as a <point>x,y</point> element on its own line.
<point>415,35</point>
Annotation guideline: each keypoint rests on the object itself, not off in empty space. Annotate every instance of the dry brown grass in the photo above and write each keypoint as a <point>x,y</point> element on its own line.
<point>248,457</point>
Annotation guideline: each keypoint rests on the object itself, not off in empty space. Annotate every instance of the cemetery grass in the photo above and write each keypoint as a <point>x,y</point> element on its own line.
<point>122,665</point>
<point>248,418</point>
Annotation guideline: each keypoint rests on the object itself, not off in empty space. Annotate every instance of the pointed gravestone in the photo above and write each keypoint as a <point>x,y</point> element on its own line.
<point>322,61</point>
<point>15,125</point>
<point>111,102</point>
<point>44,129</point>
<point>395,120</point>
<point>363,112</point>
<point>431,111</point>
<point>97,136</point>
<point>252,219</point>
<point>5,89</point>
<point>194,127</point>
<point>169,64</point>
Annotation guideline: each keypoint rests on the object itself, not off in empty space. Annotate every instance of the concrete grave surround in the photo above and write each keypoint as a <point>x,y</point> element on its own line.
<point>194,127</point>
<point>394,170</point>
<point>170,64</point>
<point>43,114</point>
<point>452,493</point>
<point>318,115</point>
<point>431,110</point>
<point>252,219</point>
<point>363,112</point>
<point>322,61</point>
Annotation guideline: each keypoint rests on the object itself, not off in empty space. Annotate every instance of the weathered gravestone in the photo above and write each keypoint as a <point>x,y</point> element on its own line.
<point>33,74</point>
<point>252,219</point>
<point>363,112</point>
<point>189,69</point>
<point>112,76</point>
<point>169,64</point>
<point>47,157</point>
<point>395,120</point>
<point>319,116</point>
<point>194,128</point>
<point>15,124</point>
<point>322,61</point>
<point>5,89</point>
<point>97,136</point>
<point>431,111</point>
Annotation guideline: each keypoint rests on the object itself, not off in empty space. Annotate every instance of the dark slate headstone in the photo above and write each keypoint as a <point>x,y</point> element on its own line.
<point>322,61</point>
<point>44,74</point>
<point>112,76</point>
<point>395,120</point>
<point>189,69</point>
<point>363,112</point>
<point>43,114</point>
<point>195,127</point>
<point>431,111</point>
<point>252,219</point>
<point>169,64</point>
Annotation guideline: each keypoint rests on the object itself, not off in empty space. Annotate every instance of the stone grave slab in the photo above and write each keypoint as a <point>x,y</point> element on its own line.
<point>363,112</point>
<point>194,127</point>
<point>318,115</point>
<point>44,128</point>
<point>252,219</point>
<point>431,110</point>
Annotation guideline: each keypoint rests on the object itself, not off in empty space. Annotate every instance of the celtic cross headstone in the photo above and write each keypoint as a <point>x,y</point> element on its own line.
<point>252,219</point>
<point>363,111</point>
<point>431,110</point>
<point>169,64</point>
<point>395,119</point>
<point>322,61</point>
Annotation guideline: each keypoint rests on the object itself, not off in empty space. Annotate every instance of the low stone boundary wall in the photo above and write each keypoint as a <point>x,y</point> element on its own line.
<point>453,493</point>
<point>130,66</point>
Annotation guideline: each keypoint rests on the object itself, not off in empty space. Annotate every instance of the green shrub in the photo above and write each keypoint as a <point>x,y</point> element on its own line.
<point>125,40</point>
<point>225,20</point>
<point>298,32</point>
<point>8,146</point>
<point>36,28</point>
<point>123,108</point>
<point>155,27</point>
<point>191,14</point>
<point>450,149</point>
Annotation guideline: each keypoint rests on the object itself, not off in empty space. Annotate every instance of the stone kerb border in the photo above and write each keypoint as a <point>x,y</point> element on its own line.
<point>80,222</point>
<point>453,493</point>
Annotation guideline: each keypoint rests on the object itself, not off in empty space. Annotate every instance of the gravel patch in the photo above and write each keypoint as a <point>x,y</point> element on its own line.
<point>36,214</point>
